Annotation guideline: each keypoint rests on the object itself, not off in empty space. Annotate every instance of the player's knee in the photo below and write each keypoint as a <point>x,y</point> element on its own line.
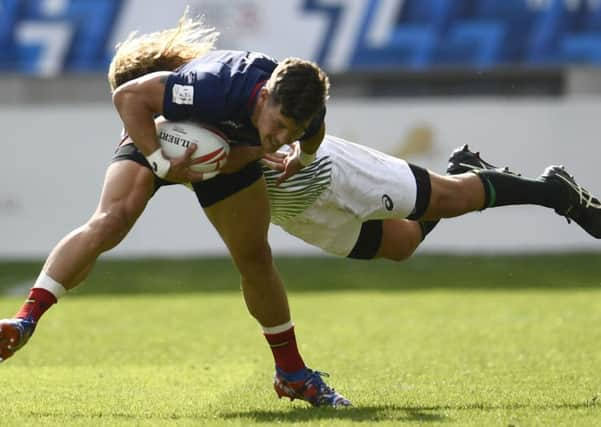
<point>402,253</point>
<point>401,250</point>
<point>451,199</point>
<point>254,262</point>
<point>400,239</point>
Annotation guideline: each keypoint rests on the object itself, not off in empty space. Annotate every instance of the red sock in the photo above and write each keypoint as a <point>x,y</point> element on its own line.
<point>38,301</point>
<point>285,352</point>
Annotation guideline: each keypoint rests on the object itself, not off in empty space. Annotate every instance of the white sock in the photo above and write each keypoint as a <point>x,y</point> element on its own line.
<point>48,283</point>
<point>271,330</point>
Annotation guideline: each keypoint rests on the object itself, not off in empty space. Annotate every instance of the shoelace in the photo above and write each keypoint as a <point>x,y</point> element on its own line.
<point>584,196</point>
<point>326,392</point>
<point>315,378</point>
<point>592,201</point>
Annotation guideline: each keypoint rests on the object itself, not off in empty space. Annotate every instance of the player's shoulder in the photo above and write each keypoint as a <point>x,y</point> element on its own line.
<point>246,59</point>
<point>235,60</point>
<point>229,56</point>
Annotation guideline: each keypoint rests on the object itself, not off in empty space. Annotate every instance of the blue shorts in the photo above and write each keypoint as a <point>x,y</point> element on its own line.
<point>207,192</point>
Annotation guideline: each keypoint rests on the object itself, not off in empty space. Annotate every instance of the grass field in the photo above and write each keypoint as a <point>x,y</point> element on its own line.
<point>467,341</point>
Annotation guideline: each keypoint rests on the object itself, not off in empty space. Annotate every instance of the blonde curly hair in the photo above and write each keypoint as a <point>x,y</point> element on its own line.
<point>165,50</point>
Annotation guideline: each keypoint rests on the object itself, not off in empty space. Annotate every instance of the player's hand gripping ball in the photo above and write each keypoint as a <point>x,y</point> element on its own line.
<point>212,146</point>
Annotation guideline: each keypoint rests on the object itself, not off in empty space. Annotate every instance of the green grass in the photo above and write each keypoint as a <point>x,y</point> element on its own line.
<point>467,341</point>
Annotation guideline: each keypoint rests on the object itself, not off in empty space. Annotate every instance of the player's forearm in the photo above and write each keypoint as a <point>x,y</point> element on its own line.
<point>137,102</point>
<point>311,144</point>
<point>138,120</point>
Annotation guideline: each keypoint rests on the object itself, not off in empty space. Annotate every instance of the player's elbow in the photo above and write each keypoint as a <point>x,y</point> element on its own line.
<point>124,96</point>
<point>144,94</point>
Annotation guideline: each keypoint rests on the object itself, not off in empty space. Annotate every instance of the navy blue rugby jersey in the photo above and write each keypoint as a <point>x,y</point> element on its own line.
<point>220,88</point>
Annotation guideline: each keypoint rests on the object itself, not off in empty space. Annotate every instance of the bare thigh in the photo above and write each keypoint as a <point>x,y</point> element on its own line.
<point>454,195</point>
<point>400,238</point>
<point>127,188</point>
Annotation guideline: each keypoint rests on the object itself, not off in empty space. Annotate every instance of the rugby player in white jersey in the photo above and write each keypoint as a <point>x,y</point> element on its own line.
<point>357,202</point>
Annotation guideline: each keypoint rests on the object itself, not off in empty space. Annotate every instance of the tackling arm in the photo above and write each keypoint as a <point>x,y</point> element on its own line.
<point>302,156</point>
<point>310,145</point>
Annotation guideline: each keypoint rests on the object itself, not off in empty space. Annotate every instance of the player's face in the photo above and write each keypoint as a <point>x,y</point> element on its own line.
<point>276,129</point>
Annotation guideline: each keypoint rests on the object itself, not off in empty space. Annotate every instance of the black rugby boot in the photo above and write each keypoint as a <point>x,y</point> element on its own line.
<point>581,206</point>
<point>463,160</point>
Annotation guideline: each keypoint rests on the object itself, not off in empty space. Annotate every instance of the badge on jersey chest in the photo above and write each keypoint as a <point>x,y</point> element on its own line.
<point>183,94</point>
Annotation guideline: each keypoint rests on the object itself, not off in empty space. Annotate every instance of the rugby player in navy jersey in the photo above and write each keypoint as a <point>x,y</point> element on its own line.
<point>177,73</point>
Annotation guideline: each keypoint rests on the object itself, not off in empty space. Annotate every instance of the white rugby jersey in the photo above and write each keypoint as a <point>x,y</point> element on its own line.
<point>326,203</point>
<point>299,191</point>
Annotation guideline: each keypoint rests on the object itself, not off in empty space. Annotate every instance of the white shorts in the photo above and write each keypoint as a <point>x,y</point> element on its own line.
<point>364,185</point>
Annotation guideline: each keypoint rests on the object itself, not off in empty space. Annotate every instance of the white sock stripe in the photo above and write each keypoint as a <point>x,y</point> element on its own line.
<point>277,329</point>
<point>46,282</point>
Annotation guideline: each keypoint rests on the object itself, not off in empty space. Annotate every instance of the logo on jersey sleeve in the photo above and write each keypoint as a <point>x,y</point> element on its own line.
<point>183,94</point>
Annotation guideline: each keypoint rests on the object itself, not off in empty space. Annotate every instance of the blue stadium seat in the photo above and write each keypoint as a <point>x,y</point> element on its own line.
<point>589,19</point>
<point>10,10</point>
<point>434,13</point>
<point>517,18</point>
<point>477,44</point>
<point>90,21</point>
<point>542,44</point>
<point>515,14</point>
<point>581,43</point>
<point>413,42</point>
<point>94,18</point>
<point>409,46</point>
<point>507,10</point>
<point>582,48</point>
<point>26,56</point>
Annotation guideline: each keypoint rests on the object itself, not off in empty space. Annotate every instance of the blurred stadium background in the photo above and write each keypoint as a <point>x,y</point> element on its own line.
<point>518,80</point>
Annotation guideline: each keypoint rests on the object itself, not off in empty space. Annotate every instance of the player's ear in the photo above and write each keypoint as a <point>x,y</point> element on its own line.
<point>263,95</point>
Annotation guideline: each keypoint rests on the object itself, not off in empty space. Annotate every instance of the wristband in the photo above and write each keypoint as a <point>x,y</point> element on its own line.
<point>305,158</point>
<point>159,164</point>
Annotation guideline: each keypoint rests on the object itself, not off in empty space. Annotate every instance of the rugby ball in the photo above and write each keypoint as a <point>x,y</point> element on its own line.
<point>211,146</point>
